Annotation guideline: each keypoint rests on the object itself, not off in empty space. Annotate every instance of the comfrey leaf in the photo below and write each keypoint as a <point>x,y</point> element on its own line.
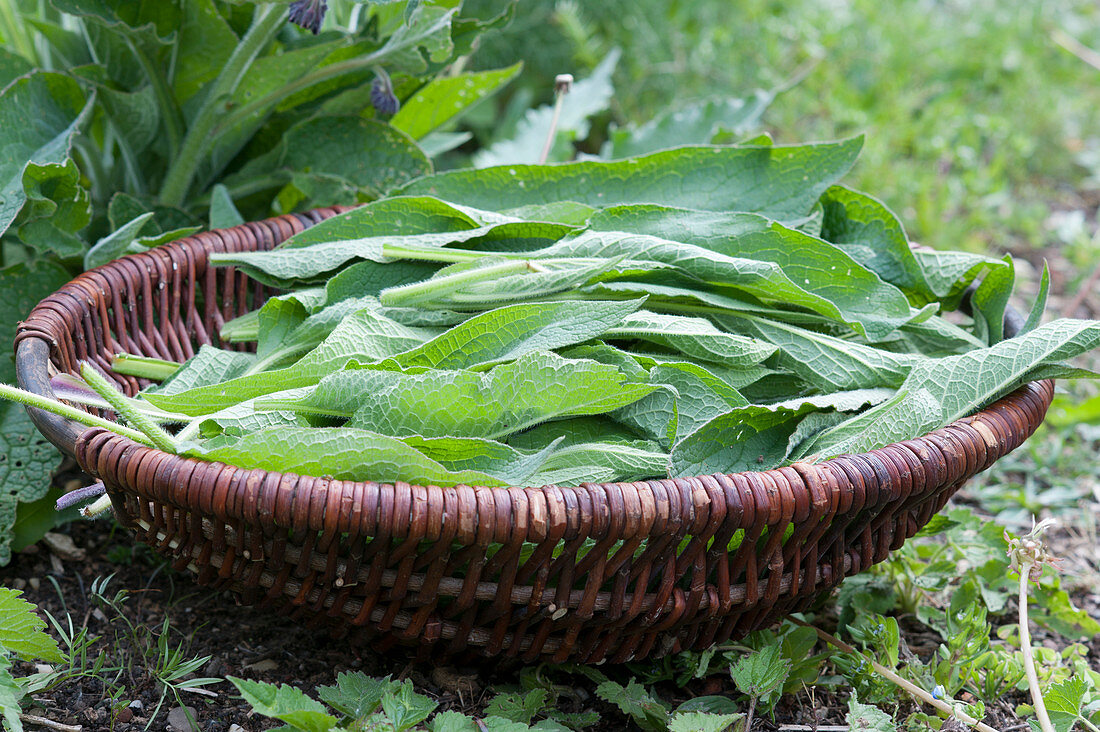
<point>381,93</point>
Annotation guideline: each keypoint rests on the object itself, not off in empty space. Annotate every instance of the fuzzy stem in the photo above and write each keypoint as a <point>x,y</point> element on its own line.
<point>435,254</point>
<point>120,403</point>
<point>1025,646</point>
<point>559,100</point>
<point>97,508</point>
<point>908,686</point>
<point>61,409</point>
<point>418,292</point>
<point>181,174</point>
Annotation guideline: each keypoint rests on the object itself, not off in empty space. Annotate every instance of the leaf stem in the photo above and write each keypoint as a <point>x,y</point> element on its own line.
<point>121,404</point>
<point>562,84</point>
<point>418,292</point>
<point>169,110</point>
<point>908,686</point>
<point>435,254</point>
<point>144,367</point>
<point>30,399</point>
<point>181,174</point>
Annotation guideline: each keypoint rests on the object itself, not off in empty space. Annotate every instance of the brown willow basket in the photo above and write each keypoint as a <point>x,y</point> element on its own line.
<point>615,571</point>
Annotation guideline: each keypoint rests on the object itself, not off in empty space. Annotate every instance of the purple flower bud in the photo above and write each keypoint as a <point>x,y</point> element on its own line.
<point>309,14</point>
<point>80,495</point>
<point>382,96</point>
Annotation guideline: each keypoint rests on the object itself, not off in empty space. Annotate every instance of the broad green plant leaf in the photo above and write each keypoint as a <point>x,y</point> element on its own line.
<point>940,391</point>
<point>647,711</point>
<point>22,631</point>
<point>781,182</point>
<point>356,694</point>
<point>343,453</point>
<point>534,388</point>
<point>405,708</point>
<point>691,124</point>
<point>444,98</point>
<point>117,243</point>
<point>868,717</point>
<point>285,703</point>
<point>702,722</point>
<point>57,106</point>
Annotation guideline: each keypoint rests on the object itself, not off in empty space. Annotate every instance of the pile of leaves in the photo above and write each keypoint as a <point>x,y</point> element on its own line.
<point>696,310</point>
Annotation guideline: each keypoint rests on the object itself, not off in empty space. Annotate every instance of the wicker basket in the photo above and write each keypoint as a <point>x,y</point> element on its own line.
<point>616,572</point>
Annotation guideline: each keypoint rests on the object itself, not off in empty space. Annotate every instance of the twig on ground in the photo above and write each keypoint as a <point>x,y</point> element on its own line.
<point>908,686</point>
<point>43,722</point>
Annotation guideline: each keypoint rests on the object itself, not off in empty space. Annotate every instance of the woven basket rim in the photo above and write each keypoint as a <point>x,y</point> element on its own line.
<point>482,520</point>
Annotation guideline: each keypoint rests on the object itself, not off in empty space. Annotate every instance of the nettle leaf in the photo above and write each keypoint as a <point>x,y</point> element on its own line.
<point>518,707</point>
<point>356,694</point>
<point>939,391</point>
<point>588,97</point>
<point>11,693</point>
<point>780,182</point>
<point>647,711</point>
<point>285,703</point>
<point>1063,702</point>
<point>451,721</point>
<point>405,708</point>
<point>690,124</point>
<point>868,717</point>
<point>22,631</point>
<point>444,98</point>
<point>761,672</point>
<point>702,722</point>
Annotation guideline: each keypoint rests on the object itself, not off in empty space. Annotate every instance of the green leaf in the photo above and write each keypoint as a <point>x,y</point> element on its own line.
<point>949,273</point>
<point>939,391</point>
<point>635,460</point>
<point>315,262</point>
<point>864,228</point>
<point>1035,315</point>
<point>646,711</point>
<point>536,387</point>
<point>55,208</point>
<point>694,337</point>
<point>451,721</point>
<point>695,397</point>
<point>58,106</point>
<point>12,66</point>
<point>779,182</point>
<point>821,290</point>
<point>588,97</point>
<point>761,672</point>
<point>867,717</point>
<point>34,519</point>
<point>21,631</point>
<point>444,98</point>
<point>690,124</point>
<point>509,332</point>
<point>26,458</point>
<point>223,214</point>
<point>285,703</point>
<point>1063,702</point>
<point>828,362</point>
<point>11,692</point>
<point>115,244</point>
<point>518,707</point>
<point>364,336</point>
<point>209,366</point>
<point>990,300</point>
<point>701,722</point>
<point>406,708</point>
<point>343,453</point>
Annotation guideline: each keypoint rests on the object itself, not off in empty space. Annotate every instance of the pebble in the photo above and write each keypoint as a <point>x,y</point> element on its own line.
<point>35,583</point>
<point>267,664</point>
<point>177,719</point>
<point>62,545</point>
<point>18,583</point>
<point>236,728</point>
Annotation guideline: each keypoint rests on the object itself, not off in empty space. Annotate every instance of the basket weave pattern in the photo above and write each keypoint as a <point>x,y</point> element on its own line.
<point>613,572</point>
